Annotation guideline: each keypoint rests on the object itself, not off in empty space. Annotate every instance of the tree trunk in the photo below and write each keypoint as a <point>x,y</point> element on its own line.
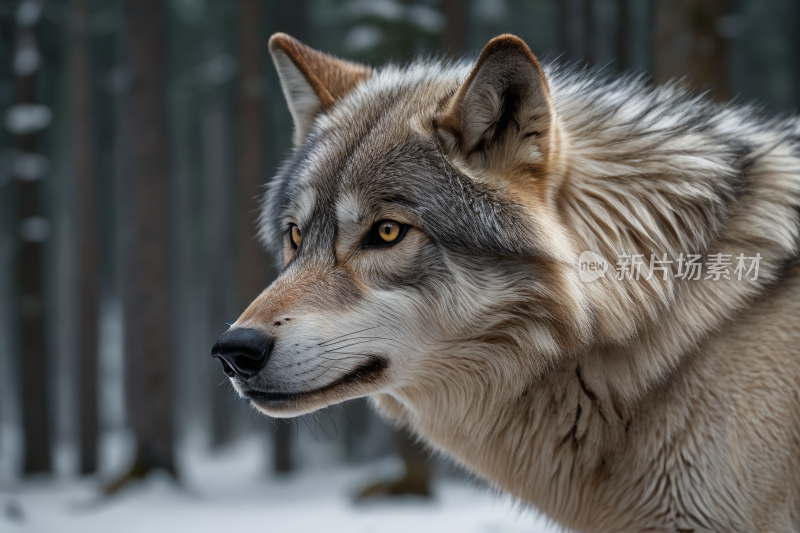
<point>30,292</point>
<point>255,266</point>
<point>575,29</point>
<point>148,327</point>
<point>688,44</point>
<point>796,55</point>
<point>621,39</point>
<point>282,456</point>
<point>454,37</point>
<point>84,175</point>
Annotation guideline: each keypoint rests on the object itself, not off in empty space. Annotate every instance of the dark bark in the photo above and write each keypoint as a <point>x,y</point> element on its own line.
<point>255,268</point>
<point>688,44</point>
<point>588,31</point>
<point>148,328</point>
<point>282,458</point>
<point>30,303</point>
<point>454,36</point>
<point>575,29</point>
<point>84,175</point>
<point>621,40</point>
<point>796,55</point>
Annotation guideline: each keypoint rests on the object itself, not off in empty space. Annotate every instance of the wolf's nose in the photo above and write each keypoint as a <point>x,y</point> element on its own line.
<point>243,352</point>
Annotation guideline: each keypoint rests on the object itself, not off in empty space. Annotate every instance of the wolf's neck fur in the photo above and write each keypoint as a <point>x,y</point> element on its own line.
<point>673,176</point>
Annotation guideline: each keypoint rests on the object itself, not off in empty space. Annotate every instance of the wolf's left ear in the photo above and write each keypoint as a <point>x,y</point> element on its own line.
<point>311,80</point>
<point>503,112</point>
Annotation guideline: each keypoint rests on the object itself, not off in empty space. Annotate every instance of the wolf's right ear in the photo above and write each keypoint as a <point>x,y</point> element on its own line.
<point>311,81</point>
<point>503,113</point>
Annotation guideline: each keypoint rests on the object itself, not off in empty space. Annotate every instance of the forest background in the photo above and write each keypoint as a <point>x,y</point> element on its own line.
<point>136,136</point>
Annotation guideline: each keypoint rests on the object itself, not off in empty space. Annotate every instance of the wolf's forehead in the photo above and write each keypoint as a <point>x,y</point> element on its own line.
<point>353,170</point>
<point>364,133</point>
<point>345,182</point>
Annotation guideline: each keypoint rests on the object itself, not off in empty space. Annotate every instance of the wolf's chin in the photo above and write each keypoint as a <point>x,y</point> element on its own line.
<point>360,382</point>
<point>277,405</point>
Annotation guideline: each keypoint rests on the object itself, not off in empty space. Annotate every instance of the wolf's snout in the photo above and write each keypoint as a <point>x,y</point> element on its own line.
<point>243,352</point>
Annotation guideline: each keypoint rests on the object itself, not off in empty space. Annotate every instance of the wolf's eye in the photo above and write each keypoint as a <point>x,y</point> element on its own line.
<point>386,233</point>
<point>389,231</point>
<point>295,237</point>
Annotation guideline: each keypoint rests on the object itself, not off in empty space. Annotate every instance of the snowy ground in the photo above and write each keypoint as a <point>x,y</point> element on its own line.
<point>229,492</point>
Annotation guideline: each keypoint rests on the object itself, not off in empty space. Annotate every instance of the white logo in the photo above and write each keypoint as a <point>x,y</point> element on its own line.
<point>591,266</point>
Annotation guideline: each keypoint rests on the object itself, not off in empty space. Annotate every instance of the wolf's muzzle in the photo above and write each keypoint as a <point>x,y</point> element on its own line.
<point>243,352</point>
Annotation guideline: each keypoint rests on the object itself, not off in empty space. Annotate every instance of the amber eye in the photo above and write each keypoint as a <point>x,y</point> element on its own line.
<point>389,230</point>
<point>386,233</point>
<point>295,236</point>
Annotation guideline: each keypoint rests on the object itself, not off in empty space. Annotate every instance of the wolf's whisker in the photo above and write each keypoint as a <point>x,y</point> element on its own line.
<point>346,346</point>
<point>350,339</point>
<point>359,338</point>
<point>333,421</point>
<point>346,335</point>
<point>319,422</point>
<point>347,414</point>
<point>303,418</point>
<point>342,359</point>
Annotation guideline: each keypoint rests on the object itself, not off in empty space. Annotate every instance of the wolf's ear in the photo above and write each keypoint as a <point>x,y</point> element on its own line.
<point>503,112</point>
<point>311,80</point>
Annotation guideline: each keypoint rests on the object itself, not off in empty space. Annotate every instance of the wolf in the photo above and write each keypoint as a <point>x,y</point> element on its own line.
<point>430,223</point>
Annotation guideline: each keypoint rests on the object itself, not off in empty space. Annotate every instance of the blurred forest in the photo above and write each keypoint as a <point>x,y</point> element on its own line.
<point>136,136</point>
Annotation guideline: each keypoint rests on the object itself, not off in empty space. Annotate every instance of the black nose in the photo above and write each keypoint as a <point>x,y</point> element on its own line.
<point>243,352</point>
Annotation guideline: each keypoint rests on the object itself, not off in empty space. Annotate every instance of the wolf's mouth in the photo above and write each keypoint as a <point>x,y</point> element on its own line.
<point>367,373</point>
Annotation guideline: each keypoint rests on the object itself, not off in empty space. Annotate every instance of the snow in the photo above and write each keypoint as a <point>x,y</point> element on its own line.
<point>229,490</point>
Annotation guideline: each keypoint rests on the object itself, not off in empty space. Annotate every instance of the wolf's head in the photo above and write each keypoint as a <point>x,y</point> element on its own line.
<point>416,222</point>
